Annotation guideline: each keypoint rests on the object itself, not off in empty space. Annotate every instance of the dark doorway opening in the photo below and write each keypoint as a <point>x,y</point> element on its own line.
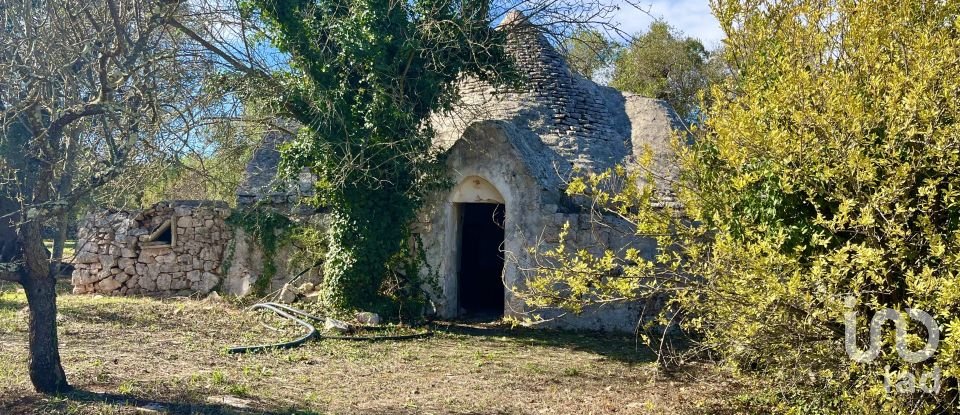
<point>480,285</point>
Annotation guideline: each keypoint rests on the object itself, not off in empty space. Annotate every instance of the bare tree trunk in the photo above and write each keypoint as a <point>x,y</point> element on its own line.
<point>46,372</point>
<point>39,282</point>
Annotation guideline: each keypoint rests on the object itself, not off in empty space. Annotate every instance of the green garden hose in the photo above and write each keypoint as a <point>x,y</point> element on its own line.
<point>301,318</point>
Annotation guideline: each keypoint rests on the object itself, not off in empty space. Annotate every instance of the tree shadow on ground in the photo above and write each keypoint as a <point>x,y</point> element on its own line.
<point>7,303</point>
<point>82,401</point>
<point>73,402</point>
<point>617,346</point>
<point>12,305</point>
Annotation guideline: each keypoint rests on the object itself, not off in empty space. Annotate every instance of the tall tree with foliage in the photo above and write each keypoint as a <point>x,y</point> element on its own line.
<point>664,63</point>
<point>590,53</point>
<point>822,190</point>
<point>364,77</point>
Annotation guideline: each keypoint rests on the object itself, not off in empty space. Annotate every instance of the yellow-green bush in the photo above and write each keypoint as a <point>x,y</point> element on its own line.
<point>824,181</point>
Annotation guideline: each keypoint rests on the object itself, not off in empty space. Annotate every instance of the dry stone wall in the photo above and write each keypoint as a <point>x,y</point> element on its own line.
<point>118,253</point>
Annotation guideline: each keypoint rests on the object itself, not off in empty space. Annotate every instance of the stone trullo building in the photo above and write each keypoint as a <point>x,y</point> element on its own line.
<point>507,154</point>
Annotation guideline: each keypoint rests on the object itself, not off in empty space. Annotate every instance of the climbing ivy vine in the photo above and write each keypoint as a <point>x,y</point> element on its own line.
<point>364,77</point>
<point>270,229</point>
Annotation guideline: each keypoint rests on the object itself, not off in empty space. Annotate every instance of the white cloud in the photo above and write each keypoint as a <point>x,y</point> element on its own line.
<point>692,17</point>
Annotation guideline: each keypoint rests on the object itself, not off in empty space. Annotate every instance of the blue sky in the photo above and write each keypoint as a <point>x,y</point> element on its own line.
<point>692,17</point>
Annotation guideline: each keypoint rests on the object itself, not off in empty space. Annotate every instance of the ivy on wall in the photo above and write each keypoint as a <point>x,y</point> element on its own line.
<point>271,230</point>
<point>364,77</point>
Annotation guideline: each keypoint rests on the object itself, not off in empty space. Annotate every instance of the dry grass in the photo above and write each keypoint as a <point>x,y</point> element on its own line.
<point>132,355</point>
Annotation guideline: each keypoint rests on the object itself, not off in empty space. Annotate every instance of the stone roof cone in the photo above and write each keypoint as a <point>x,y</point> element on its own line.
<point>582,124</point>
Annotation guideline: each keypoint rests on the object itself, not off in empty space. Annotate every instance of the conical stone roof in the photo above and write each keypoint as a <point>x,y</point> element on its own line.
<point>576,122</point>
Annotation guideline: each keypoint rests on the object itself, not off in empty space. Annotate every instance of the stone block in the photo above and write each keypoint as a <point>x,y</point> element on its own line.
<point>334,325</point>
<point>121,277</point>
<point>107,261</point>
<point>179,284</point>
<point>368,318</point>
<point>163,281</point>
<point>208,282</point>
<point>107,285</point>
<point>147,284</point>
<point>288,294</point>
<point>86,257</point>
<point>167,258</point>
<point>125,262</point>
<point>147,258</point>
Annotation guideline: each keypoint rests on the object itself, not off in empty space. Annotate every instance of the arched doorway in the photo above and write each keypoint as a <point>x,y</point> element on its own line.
<point>481,214</point>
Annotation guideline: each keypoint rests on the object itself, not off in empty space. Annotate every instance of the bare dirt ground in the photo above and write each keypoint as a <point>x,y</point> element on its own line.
<point>138,355</point>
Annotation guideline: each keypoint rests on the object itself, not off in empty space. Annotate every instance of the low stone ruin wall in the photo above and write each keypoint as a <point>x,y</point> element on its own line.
<point>118,253</point>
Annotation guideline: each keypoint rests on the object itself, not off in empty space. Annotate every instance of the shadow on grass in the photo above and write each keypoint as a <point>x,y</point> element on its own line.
<point>82,401</point>
<point>75,401</point>
<point>621,347</point>
<point>11,304</point>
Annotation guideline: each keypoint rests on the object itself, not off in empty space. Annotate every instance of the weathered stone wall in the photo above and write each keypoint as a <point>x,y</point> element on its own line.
<point>246,265</point>
<point>114,255</point>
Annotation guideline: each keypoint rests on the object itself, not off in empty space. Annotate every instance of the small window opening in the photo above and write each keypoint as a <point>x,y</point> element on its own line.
<point>161,237</point>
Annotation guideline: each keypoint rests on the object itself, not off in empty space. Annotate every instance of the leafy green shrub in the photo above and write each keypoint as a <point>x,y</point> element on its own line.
<point>824,184</point>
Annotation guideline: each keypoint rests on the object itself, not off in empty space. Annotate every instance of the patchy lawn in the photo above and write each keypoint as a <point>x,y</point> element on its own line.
<point>135,355</point>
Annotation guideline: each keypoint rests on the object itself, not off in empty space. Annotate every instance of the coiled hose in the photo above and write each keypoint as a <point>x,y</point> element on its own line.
<point>301,318</point>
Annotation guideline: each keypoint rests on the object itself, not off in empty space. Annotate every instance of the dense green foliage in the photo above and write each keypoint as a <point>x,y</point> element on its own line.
<point>663,63</point>
<point>589,52</point>
<point>825,181</point>
<point>364,77</point>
